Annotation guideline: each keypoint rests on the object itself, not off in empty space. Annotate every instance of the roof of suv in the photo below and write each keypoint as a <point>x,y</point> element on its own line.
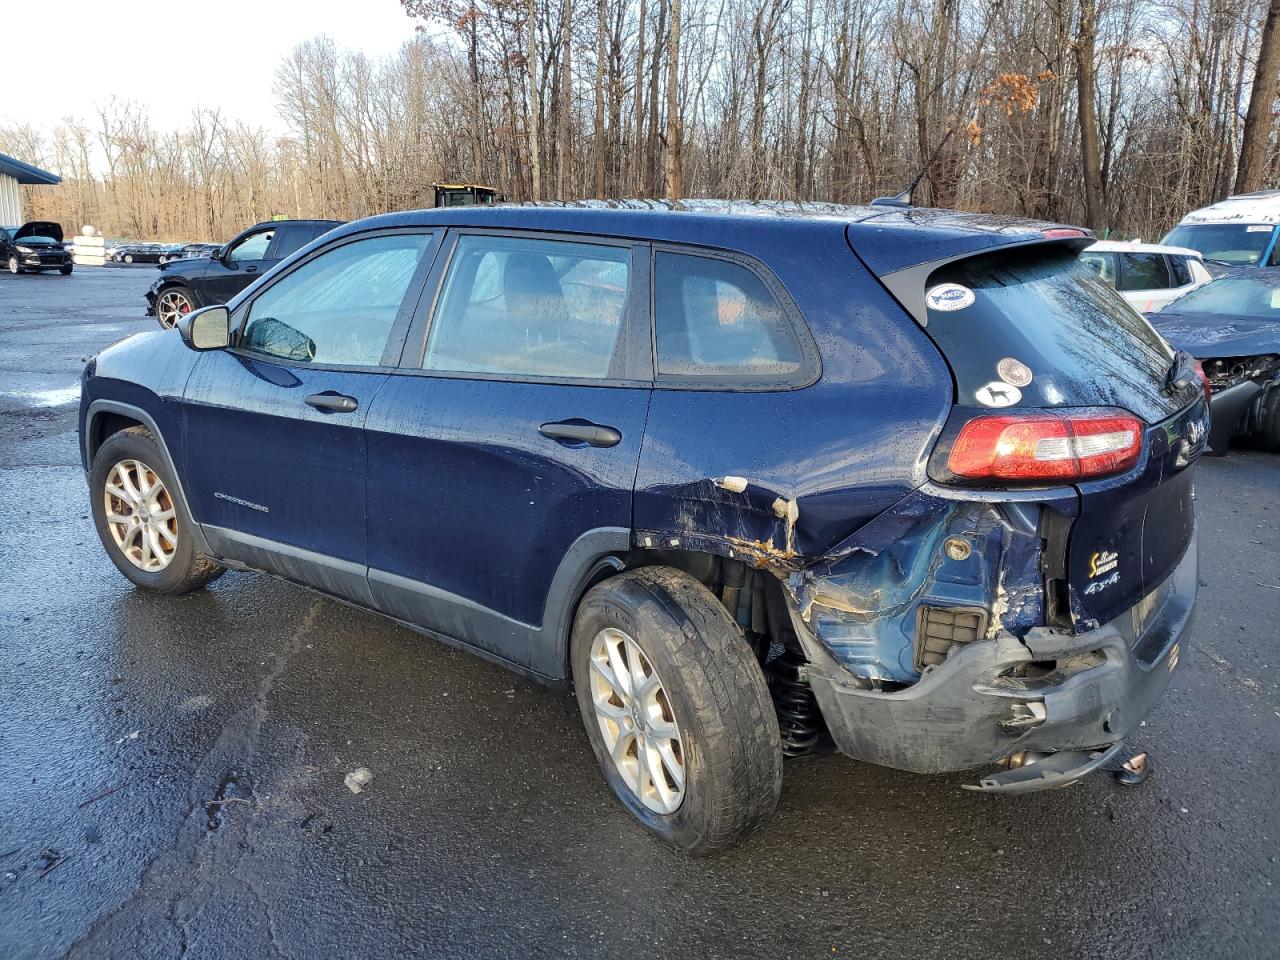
<point>887,238</point>
<point>1260,207</point>
<point>1137,246</point>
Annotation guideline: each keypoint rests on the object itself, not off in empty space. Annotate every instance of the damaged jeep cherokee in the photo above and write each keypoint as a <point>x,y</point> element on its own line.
<point>749,479</point>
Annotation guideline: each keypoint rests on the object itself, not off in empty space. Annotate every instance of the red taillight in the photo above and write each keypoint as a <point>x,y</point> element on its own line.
<point>1204,380</point>
<point>1045,447</point>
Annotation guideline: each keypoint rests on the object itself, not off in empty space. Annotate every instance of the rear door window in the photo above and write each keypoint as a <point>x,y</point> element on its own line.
<point>715,319</point>
<point>529,307</point>
<point>1143,271</point>
<point>1180,271</point>
<point>290,239</point>
<point>1037,328</point>
<point>1103,264</point>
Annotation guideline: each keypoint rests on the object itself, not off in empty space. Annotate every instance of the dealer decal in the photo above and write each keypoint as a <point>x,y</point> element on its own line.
<point>948,297</point>
<point>1104,561</point>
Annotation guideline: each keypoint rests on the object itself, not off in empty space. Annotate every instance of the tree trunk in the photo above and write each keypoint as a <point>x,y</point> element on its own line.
<point>1257,122</point>
<point>535,125</point>
<point>601,14</point>
<point>564,148</point>
<point>1090,151</point>
<point>674,168</point>
<point>637,155</point>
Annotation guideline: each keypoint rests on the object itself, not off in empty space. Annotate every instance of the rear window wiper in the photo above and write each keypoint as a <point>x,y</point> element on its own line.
<point>1182,373</point>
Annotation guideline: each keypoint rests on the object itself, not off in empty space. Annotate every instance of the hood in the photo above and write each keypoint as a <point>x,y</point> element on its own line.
<point>1209,335</point>
<point>33,229</point>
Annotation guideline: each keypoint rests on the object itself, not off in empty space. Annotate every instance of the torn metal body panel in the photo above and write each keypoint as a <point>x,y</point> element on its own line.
<point>1089,689</point>
<point>870,602</point>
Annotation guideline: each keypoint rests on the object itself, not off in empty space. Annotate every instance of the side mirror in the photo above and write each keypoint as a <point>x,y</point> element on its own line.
<point>206,329</point>
<point>217,253</point>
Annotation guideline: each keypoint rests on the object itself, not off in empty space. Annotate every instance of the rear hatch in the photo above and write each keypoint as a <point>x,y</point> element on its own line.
<point>1027,329</point>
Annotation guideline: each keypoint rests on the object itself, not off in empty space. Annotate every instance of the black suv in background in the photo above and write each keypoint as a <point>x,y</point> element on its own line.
<point>186,284</point>
<point>36,245</point>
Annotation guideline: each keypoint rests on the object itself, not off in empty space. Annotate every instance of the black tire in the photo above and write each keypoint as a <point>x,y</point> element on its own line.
<point>187,569</point>
<point>14,267</point>
<point>164,315</point>
<point>1267,436</point>
<point>65,271</point>
<point>732,755</point>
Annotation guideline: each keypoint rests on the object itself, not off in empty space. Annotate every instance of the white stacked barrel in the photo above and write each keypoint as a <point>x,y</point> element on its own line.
<point>87,248</point>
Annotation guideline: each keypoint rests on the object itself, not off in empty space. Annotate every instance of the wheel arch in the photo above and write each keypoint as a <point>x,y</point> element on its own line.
<point>562,605</point>
<point>105,418</point>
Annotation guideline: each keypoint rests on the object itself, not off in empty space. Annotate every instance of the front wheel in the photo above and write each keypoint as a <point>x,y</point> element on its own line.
<point>14,267</point>
<point>676,708</point>
<point>141,518</point>
<point>172,305</point>
<point>65,271</point>
<point>128,258</point>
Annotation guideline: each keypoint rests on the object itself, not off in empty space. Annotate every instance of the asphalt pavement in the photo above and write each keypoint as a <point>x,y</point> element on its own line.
<point>171,770</point>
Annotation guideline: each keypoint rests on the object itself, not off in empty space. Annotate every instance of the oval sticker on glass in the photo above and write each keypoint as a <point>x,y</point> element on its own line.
<point>997,394</point>
<point>948,297</point>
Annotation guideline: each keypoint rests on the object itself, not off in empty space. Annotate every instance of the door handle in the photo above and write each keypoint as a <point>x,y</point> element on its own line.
<point>250,269</point>
<point>581,432</point>
<point>329,401</point>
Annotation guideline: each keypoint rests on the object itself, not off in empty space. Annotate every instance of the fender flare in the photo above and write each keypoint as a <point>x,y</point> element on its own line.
<point>99,407</point>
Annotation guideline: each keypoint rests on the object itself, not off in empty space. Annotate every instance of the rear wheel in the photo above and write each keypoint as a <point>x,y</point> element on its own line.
<point>173,304</point>
<point>141,519</point>
<point>676,708</point>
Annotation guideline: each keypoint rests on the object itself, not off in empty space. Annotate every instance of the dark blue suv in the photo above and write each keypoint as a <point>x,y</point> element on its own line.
<point>751,479</point>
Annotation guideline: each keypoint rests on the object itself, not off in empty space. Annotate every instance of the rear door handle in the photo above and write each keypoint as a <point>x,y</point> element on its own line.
<point>581,432</point>
<point>330,401</point>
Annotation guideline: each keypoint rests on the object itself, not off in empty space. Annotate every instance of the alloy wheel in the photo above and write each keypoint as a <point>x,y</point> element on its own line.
<point>639,729</point>
<point>141,515</point>
<point>13,264</point>
<point>171,307</point>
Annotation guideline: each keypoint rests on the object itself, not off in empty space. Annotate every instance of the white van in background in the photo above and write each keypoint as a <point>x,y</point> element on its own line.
<point>1239,231</point>
<point>1148,275</point>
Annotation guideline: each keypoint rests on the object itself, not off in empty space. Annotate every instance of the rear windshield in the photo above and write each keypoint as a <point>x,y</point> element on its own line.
<point>1034,327</point>
<point>1235,244</point>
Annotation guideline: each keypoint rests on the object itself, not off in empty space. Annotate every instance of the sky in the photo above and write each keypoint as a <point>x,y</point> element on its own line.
<point>172,56</point>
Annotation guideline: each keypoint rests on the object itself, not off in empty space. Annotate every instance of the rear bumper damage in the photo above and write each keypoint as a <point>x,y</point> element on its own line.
<point>1064,701</point>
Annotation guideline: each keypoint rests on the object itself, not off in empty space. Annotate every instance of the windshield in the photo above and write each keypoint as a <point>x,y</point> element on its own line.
<point>1238,296</point>
<point>1237,244</point>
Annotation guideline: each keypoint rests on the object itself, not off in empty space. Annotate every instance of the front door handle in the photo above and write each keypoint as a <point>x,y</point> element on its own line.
<point>329,401</point>
<point>251,269</point>
<point>581,432</point>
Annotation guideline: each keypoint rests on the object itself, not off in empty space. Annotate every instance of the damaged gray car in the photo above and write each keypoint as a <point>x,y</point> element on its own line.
<point>1232,327</point>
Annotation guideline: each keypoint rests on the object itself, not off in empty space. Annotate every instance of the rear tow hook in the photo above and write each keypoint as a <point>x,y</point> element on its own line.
<point>1132,772</point>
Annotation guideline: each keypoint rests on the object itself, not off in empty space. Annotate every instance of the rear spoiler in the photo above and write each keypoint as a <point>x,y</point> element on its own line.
<point>907,284</point>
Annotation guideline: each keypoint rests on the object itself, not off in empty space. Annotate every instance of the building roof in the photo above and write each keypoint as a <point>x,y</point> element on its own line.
<point>25,173</point>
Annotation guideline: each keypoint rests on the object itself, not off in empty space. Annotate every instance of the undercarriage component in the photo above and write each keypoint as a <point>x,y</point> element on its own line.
<point>1047,771</point>
<point>1131,772</point>
<point>799,719</point>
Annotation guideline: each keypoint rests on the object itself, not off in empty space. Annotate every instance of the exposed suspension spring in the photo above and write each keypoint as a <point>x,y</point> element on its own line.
<point>799,719</point>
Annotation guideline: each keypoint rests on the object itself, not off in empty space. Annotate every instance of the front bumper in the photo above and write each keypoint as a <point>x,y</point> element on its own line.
<point>1226,410</point>
<point>957,716</point>
<point>43,261</point>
